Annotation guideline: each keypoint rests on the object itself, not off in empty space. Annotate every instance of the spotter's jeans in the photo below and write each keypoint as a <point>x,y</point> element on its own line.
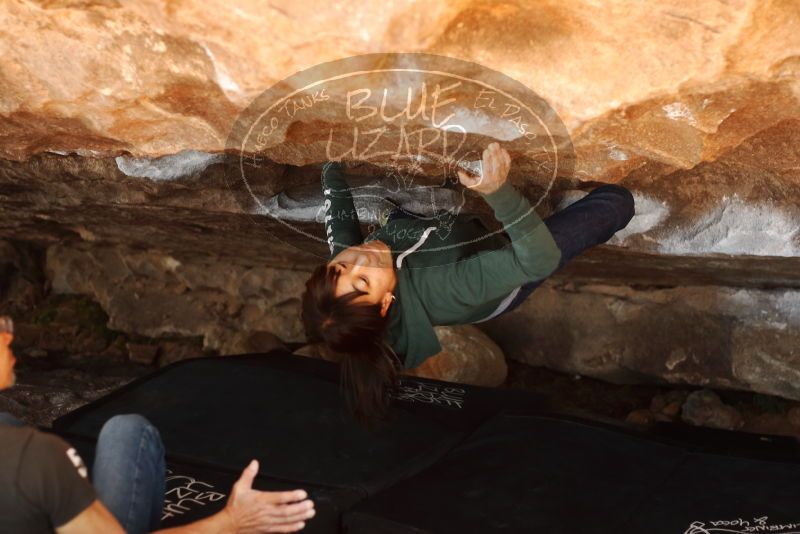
<point>129,472</point>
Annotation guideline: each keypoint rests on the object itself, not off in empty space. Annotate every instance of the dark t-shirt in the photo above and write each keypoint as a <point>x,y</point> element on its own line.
<point>43,481</point>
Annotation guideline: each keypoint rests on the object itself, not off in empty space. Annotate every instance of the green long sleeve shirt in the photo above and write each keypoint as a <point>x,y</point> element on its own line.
<point>446,274</point>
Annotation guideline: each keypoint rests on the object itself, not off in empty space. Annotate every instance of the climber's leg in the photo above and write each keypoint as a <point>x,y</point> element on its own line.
<point>590,221</point>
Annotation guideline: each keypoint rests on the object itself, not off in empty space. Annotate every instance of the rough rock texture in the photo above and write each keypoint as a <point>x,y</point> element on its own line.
<point>235,307</point>
<point>114,116</point>
<point>705,408</point>
<point>158,78</point>
<point>699,334</point>
<point>46,390</point>
<point>669,405</point>
<point>468,356</point>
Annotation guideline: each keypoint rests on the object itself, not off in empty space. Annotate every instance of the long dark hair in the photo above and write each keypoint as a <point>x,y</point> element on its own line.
<point>354,332</point>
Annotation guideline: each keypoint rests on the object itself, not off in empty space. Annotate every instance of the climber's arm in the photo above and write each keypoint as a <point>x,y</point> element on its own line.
<point>341,220</point>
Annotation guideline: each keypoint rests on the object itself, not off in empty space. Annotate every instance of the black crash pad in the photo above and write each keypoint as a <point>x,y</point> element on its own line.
<point>455,458</point>
<point>560,475</point>
<point>287,412</point>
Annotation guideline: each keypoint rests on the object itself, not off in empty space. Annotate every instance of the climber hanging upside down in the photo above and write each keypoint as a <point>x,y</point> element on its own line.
<point>375,302</point>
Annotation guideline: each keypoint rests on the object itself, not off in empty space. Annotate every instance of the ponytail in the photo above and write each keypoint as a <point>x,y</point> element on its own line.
<point>354,332</point>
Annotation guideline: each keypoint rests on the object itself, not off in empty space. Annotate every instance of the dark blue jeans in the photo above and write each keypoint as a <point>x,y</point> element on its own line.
<point>588,222</point>
<point>128,472</point>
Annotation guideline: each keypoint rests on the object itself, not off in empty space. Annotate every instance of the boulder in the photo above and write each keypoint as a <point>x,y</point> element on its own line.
<point>142,353</point>
<point>704,408</point>
<point>468,356</point>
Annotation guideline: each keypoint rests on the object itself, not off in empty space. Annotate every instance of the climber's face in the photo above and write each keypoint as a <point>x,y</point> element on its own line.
<point>367,267</point>
<point>7,360</point>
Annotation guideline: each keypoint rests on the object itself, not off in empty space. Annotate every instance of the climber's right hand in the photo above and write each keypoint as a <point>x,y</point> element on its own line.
<point>495,165</point>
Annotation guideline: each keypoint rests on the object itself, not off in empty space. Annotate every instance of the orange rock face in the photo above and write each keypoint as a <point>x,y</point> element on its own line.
<point>670,82</point>
<point>656,94</point>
